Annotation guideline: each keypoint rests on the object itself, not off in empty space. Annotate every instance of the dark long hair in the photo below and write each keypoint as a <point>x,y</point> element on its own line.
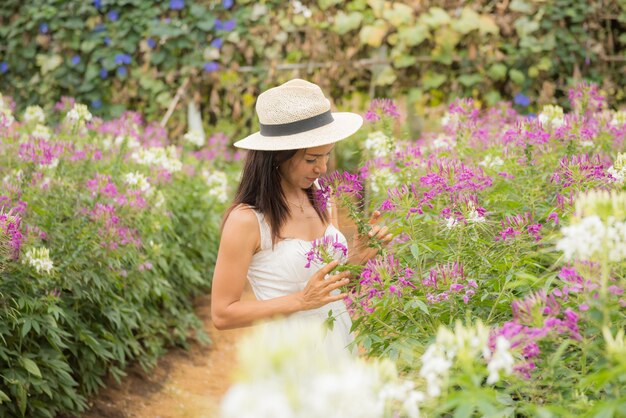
<point>261,189</point>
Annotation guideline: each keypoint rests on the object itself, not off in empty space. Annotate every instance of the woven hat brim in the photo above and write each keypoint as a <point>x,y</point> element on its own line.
<point>344,125</point>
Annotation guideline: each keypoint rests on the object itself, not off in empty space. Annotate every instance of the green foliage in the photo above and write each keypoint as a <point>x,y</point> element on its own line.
<point>485,51</point>
<point>126,261</point>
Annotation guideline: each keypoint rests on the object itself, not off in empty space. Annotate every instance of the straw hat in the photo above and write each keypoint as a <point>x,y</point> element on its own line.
<point>296,115</point>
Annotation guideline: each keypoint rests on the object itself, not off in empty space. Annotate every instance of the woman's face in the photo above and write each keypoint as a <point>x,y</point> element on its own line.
<point>306,166</point>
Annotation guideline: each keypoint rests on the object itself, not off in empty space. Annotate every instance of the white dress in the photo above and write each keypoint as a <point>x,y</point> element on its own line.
<point>281,271</point>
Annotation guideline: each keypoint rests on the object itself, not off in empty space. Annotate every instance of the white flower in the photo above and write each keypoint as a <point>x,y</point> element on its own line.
<point>442,142</point>
<point>130,141</point>
<point>475,217</point>
<point>218,184</point>
<point>165,158</point>
<point>501,360</point>
<point>618,169</point>
<point>619,118</point>
<point>42,132</point>
<point>451,222</point>
<point>294,368</point>
<point>159,200</point>
<point>78,114</point>
<point>195,138</point>
<point>39,259</point>
<point>139,180</point>
<point>553,115</point>
<point>378,144</point>
<point>491,162</point>
<point>586,144</point>
<point>382,180</point>
<point>256,400</point>
<point>299,8</point>
<point>34,114</point>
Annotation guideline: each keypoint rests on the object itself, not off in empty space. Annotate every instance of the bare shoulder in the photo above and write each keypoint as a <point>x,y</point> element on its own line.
<point>242,226</point>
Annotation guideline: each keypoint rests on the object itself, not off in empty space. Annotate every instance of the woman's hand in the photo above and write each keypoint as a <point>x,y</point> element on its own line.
<point>363,251</point>
<point>317,291</point>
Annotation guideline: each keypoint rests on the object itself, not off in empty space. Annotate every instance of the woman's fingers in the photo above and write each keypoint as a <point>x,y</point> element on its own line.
<point>374,218</point>
<point>334,298</point>
<point>327,269</point>
<point>337,284</point>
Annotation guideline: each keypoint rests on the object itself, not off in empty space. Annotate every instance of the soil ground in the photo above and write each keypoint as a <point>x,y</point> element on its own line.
<point>184,384</point>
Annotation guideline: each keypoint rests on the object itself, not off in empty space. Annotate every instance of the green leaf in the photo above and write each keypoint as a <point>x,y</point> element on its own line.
<point>399,14</point>
<point>517,76</point>
<point>497,71</point>
<point>432,80</point>
<point>374,34</point>
<point>325,4</point>
<point>468,80</point>
<point>435,17</point>
<point>30,366</point>
<point>4,397</point>
<point>413,35</point>
<point>467,22</point>
<point>386,76</point>
<point>345,23</point>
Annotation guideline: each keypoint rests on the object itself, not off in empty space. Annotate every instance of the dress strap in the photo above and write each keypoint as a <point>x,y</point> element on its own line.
<point>264,228</point>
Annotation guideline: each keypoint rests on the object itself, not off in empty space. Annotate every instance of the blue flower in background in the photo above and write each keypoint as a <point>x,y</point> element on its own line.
<point>229,25</point>
<point>531,116</point>
<point>177,4</point>
<point>96,104</point>
<point>103,73</point>
<point>99,28</point>
<point>218,25</point>
<point>107,41</point>
<point>43,28</point>
<point>227,4</point>
<point>97,4</point>
<point>121,72</point>
<point>151,42</point>
<point>209,67</point>
<point>217,43</point>
<point>76,60</point>
<point>113,15</point>
<point>521,99</point>
<point>122,59</point>
<point>4,67</point>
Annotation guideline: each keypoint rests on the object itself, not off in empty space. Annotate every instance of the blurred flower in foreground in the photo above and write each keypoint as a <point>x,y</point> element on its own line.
<point>288,369</point>
<point>618,169</point>
<point>34,114</point>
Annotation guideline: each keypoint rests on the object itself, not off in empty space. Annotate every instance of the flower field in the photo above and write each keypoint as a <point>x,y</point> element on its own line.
<point>502,293</point>
<point>107,230</point>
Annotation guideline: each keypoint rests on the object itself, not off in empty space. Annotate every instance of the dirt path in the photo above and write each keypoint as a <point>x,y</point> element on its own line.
<point>184,384</point>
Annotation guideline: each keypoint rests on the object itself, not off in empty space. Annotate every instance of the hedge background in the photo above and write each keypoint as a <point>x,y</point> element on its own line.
<point>133,54</point>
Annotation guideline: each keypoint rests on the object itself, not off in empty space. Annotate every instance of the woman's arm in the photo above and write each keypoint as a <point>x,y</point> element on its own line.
<point>240,239</point>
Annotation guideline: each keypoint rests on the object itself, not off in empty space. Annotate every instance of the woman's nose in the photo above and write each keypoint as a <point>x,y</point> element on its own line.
<point>321,167</point>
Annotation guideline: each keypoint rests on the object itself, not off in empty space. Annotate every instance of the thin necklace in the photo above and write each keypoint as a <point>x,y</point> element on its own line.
<point>301,205</point>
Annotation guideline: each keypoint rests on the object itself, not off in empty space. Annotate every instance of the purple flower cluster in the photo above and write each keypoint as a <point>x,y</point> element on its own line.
<point>41,152</point>
<point>583,170</point>
<point>326,249</point>
<point>447,280</point>
<point>11,236</point>
<point>586,98</point>
<point>513,226</point>
<point>380,108</point>
<point>112,232</point>
<point>381,276</point>
<point>217,146</point>
<point>537,317</point>
<point>445,176</point>
<point>338,184</point>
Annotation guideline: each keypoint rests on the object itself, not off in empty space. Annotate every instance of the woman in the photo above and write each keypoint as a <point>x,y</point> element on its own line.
<point>274,218</point>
